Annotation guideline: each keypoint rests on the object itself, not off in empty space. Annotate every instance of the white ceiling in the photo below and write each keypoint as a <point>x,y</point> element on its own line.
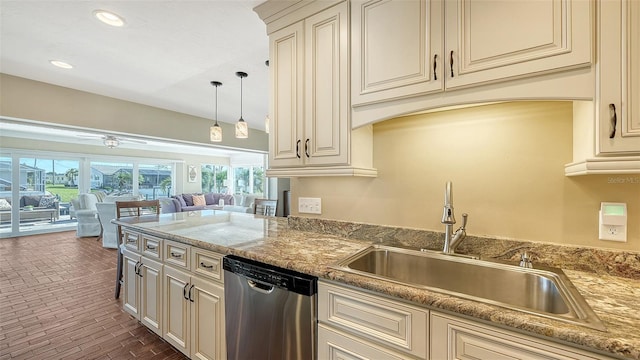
<point>165,56</point>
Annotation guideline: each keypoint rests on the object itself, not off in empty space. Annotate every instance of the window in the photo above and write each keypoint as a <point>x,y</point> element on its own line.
<point>214,178</point>
<point>154,180</point>
<point>249,180</point>
<point>112,178</point>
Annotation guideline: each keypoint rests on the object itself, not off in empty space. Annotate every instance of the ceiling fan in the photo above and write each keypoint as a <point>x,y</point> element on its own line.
<point>112,141</point>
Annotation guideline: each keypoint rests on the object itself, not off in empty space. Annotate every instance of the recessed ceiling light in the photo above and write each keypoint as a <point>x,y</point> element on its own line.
<point>61,64</point>
<point>109,18</point>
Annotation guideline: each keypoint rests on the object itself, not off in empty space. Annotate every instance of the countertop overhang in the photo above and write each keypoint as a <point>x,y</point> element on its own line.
<point>271,240</point>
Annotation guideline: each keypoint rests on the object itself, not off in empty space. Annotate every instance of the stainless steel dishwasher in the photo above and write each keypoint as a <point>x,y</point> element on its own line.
<point>271,313</point>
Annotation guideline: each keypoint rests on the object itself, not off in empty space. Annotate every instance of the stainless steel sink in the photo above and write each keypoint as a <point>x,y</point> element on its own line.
<point>541,291</point>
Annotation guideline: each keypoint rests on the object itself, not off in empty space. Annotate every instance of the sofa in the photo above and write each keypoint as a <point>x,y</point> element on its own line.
<point>186,202</point>
<point>31,202</point>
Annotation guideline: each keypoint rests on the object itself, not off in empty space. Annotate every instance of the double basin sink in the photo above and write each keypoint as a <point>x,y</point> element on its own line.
<point>542,291</point>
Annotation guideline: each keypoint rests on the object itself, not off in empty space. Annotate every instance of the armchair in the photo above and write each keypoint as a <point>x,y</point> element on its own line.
<point>86,213</point>
<point>106,212</point>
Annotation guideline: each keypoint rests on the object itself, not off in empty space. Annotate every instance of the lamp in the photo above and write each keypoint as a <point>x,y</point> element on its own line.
<point>215,132</point>
<point>242,130</point>
<point>111,142</point>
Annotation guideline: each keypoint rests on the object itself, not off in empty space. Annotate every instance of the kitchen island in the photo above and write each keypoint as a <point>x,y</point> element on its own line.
<point>275,241</point>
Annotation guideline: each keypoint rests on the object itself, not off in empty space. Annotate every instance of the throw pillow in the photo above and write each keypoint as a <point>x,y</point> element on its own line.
<point>47,201</point>
<point>198,200</point>
<point>33,200</point>
<point>4,205</point>
<point>188,199</point>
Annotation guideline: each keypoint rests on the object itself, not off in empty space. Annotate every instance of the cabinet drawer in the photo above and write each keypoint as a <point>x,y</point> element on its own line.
<point>131,240</point>
<point>177,254</point>
<point>207,263</point>
<point>151,247</point>
<point>382,320</point>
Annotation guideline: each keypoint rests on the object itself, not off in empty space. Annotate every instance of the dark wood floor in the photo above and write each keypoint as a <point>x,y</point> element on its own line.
<point>56,302</point>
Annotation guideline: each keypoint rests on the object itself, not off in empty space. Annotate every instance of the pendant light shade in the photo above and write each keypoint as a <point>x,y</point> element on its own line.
<point>242,129</point>
<point>215,132</point>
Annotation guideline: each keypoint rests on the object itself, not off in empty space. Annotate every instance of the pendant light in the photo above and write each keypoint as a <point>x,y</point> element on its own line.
<point>215,132</point>
<point>242,130</point>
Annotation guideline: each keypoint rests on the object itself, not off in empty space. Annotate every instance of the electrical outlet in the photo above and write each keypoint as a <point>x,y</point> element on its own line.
<point>612,221</point>
<point>309,205</point>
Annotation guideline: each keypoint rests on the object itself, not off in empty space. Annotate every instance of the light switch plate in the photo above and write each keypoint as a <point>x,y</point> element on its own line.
<point>308,205</point>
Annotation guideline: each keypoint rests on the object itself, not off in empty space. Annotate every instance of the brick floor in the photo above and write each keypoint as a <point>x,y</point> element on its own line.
<point>56,302</point>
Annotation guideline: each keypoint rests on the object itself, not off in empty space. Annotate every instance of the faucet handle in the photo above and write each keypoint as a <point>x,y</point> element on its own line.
<point>464,220</point>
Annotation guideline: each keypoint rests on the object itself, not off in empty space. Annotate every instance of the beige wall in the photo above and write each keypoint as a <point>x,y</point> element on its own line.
<point>27,99</point>
<point>506,162</point>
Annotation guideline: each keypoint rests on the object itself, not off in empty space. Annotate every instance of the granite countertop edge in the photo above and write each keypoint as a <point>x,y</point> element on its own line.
<point>613,342</point>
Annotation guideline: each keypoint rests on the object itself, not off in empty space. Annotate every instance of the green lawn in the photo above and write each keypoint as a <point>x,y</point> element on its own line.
<point>65,193</point>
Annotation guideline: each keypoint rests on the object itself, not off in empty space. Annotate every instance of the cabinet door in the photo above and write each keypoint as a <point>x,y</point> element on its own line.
<point>176,309</point>
<point>207,320</point>
<point>326,121</point>
<point>618,71</point>
<point>130,293</point>
<point>491,40</point>
<point>334,345</point>
<point>151,294</point>
<point>286,69</point>
<point>454,338</point>
<point>397,49</point>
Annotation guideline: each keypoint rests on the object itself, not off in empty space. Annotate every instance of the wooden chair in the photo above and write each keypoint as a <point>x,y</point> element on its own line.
<point>265,207</point>
<point>128,209</point>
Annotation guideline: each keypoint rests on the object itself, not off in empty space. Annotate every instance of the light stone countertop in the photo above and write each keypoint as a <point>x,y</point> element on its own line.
<point>616,300</point>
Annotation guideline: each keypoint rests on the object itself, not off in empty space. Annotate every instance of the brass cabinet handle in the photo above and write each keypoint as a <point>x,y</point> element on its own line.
<point>151,247</point>
<point>306,148</point>
<point>298,149</point>
<point>176,255</point>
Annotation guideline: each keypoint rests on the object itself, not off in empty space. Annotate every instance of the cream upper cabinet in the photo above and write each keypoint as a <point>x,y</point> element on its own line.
<point>606,135</point>
<point>415,55</point>
<point>488,40</point>
<point>398,49</point>
<point>618,97</point>
<point>309,98</point>
<point>286,66</point>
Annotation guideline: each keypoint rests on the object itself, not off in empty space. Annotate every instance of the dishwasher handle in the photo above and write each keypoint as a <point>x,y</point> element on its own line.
<point>260,287</point>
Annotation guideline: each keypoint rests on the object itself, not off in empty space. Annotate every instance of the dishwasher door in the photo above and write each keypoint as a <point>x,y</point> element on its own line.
<point>270,313</point>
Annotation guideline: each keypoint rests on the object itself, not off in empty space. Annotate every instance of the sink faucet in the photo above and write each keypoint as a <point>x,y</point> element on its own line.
<point>451,239</point>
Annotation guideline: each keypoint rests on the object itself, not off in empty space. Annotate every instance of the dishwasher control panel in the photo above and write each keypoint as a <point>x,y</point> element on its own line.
<point>271,275</point>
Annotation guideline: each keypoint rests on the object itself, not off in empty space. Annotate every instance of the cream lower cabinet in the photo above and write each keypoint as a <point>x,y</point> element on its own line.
<point>142,291</point>
<point>359,325</point>
<point>455,338</point>
<point>194,315</point>
<point>356,324</point>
